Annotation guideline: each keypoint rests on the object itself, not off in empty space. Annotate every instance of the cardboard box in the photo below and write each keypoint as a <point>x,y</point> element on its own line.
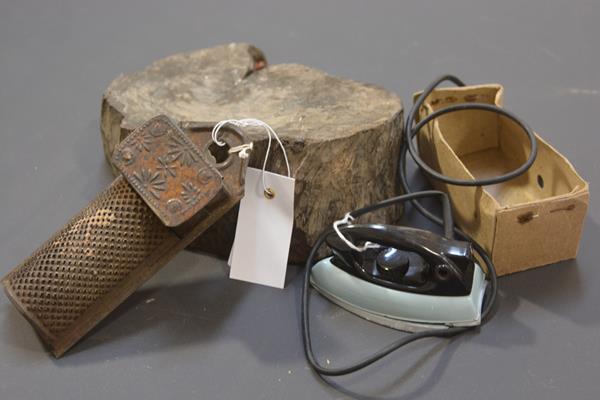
<point>530,221</point>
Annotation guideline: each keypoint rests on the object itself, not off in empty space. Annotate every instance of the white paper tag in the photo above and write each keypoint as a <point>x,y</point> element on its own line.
<point>264,230</point>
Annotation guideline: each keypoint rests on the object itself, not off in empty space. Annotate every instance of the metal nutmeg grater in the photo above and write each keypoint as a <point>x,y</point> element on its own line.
<point>170,190</point>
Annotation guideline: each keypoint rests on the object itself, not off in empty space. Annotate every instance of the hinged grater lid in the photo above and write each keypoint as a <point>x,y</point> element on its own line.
<point>167,170</point>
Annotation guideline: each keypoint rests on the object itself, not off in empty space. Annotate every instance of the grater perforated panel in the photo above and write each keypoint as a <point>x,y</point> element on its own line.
<point>85,260</point>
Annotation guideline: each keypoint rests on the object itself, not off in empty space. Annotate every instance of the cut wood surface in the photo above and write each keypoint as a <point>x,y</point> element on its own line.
<point>342,137</point>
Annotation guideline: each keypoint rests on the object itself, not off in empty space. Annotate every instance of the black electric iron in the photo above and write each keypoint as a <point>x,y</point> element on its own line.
<point>411,279</point>
<point>406,278</point>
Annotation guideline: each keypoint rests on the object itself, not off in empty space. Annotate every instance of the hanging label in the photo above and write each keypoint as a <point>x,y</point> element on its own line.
<point>264,229</point>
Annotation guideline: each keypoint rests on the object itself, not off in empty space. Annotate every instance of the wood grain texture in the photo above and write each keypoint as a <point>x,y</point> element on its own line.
<point>342,136</point>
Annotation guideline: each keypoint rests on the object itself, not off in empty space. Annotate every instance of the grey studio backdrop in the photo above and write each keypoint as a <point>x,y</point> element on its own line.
<point>191,332</point>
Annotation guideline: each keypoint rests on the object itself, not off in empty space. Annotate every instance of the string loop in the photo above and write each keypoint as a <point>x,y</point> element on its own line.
<point>243,153</point>
<point>345,221</point>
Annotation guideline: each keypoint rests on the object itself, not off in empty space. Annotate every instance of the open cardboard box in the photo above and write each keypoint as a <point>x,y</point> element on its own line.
<point>533,220</point>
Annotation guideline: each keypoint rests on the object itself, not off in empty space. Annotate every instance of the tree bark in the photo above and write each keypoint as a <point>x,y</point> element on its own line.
<point>342,137</point>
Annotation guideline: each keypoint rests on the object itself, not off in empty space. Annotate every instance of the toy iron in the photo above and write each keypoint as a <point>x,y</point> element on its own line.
<point>405,278</point>
<point>412,280</point>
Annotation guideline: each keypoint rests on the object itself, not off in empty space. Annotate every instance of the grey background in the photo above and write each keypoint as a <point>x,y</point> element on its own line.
<point>204,336</point>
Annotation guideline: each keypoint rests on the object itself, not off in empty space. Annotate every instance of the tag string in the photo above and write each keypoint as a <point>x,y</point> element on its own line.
<point>243,150</point>
<point>270,132</point>
<point>345,221</point>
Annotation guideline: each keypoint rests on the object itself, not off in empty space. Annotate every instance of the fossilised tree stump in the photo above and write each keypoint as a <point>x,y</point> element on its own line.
<point>342,137</point>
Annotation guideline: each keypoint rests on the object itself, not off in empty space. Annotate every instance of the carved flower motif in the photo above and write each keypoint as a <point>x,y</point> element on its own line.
<point>167,167</point>
<point>190,194</point>
<point>152,182</point>
<point>179,150</point>
<point>143,141</point>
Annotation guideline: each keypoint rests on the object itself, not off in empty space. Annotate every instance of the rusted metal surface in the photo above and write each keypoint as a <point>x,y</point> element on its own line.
<point>168,171</point>
<point>129,231</point>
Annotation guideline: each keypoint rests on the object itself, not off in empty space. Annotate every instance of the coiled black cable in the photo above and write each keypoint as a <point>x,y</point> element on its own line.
<point>411,131</point>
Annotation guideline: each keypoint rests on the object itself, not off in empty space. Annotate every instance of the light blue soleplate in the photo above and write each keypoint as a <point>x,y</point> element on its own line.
<point>411,312</point>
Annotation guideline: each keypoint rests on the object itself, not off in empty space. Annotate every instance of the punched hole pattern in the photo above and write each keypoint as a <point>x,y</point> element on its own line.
<point>84,261</point>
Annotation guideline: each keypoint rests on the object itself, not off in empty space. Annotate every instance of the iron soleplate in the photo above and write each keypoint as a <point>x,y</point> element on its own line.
<point>409,312</point>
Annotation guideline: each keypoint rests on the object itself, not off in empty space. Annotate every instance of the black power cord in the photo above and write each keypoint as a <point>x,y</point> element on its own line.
<point>411,131</point>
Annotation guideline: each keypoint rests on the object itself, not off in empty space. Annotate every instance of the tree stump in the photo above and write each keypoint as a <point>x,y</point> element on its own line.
<point>342,137</point>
